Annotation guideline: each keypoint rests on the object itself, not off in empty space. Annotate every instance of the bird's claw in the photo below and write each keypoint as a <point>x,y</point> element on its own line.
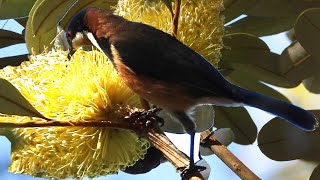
<point>153,112</point>
<point>188,171</point>
<point>143,119</point>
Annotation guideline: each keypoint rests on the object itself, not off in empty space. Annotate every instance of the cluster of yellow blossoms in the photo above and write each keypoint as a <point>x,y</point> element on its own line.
<point>87,88</point>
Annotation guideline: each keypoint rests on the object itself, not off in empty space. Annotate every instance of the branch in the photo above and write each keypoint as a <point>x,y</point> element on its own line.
<point>175,17</point>
<point>208,139</point>
<point>176,158</point>
<point>144,124</point>
<point>109,124</point>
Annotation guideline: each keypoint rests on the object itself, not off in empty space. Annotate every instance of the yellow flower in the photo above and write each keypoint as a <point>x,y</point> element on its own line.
<point>201,26</point>
<point>86,88</point>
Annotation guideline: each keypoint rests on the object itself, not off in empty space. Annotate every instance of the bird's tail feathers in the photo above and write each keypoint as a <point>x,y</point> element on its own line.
<point>282,109</point>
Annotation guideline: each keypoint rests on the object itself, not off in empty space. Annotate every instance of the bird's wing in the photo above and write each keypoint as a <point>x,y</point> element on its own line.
<point>153,53</point>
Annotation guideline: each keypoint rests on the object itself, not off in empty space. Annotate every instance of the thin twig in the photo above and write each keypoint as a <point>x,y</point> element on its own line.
<point>176,157</point>
<point>108,124</point>
<point>143,123</point>
<point>209,140</point>
<point>176,15</point>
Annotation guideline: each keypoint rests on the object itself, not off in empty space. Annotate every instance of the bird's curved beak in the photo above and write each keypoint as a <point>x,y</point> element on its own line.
<point>83,39</point>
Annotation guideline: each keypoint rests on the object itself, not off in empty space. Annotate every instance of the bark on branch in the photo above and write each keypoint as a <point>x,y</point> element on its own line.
<point>209,140</point>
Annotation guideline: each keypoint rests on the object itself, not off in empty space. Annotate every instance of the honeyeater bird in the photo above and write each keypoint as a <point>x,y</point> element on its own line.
<point>169,74</point>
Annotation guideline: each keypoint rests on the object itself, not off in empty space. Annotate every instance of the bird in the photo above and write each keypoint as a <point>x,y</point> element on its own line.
<point>169,74</point>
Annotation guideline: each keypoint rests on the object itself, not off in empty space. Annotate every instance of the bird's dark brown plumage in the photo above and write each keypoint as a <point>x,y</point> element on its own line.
<point>169,74</point>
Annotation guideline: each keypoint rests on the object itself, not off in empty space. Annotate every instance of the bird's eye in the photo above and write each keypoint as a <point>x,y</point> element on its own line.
<point>69,34</point>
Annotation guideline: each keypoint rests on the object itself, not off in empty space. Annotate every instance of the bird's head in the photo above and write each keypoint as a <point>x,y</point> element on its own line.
<point>82,28</point>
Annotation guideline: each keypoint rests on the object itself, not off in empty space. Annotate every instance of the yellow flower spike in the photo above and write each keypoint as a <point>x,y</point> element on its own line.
<point>86,88</point>
<point>201,26</point>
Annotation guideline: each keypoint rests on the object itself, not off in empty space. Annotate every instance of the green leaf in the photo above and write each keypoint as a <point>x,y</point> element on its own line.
<point>203,117</point>
<point>315,174</point>
<point>249,81</point>
<point>312,84</point>
<point>13,103</point>
<point>248,53</point>
<point>240,122</point>
<point>8,38</point>
<point>235,8</point>
<point>307,31</point>
<point>12,137</point>
<point>296,64</point>
<point>282,141</point>
<point>224,135</point>
<point>281,8</point>
<point>42,22</point>
<point>245,48</point>
<point>2,2</point>
<point>45,15</point>
<point>79,5</point>
<point>15,8</point>
<point>22,21</point>
<point>13,60</point>
<point>261,26</point>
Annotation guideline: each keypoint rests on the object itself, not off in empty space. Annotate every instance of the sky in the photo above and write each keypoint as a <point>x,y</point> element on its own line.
<point>249,155</point>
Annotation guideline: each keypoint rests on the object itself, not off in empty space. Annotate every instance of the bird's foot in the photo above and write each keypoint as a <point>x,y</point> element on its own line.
<point>152,112</point>
<point>143,119</point>
<point>188,171</point>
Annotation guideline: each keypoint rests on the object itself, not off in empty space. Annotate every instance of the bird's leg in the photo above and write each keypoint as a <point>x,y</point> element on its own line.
<point>190,127</point>
<point>192,134</point>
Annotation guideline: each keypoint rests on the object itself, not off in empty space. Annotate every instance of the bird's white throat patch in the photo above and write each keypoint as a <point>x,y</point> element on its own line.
<point>93,40</point>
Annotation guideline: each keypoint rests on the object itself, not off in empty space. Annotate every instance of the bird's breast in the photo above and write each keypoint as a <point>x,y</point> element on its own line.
<point>165,95</point>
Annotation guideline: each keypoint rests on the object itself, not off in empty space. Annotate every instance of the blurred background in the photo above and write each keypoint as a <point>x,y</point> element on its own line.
<point>250,155</point>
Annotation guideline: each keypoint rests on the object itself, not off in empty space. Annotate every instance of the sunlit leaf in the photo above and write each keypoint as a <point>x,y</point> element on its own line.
<point>13,103</point>
<point>13,60</point>
<point>42,22</point>
<point>261,26</point>
<point>249,54</point>
<point>307,31</point>
<point>15,8</point>
<point>282,141</point>
<point>44,16</point>
<point>235,8</point>
<point>203,117</point>
<point>240,122</point>
<point>8,38</point>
